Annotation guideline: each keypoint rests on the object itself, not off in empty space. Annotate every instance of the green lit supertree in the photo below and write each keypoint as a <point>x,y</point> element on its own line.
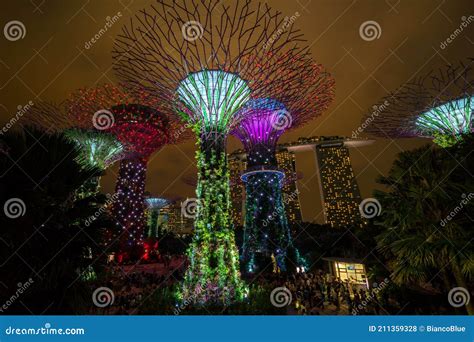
<point>98,148</point>
<point>204,59</point>
<point>154,206</point>
<point>438,106</point>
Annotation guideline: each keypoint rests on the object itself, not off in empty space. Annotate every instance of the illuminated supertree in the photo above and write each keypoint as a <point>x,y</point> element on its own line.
<point>439,106</point>
<point>141,130</point>
<point>98,148</point>
<point>210,57</point>
<point>154,206</point>
<point>267,235</point>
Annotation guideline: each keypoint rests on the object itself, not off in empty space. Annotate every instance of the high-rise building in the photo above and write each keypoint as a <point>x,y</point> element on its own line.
<point>176,222</point>
<point>340,194</point>
<point>286,162</point>
<point>339,189</point>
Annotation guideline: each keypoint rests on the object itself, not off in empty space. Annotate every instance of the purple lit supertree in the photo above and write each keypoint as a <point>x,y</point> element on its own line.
<point>267,236</point>
<point>209,56</point>
<point>438,106</point>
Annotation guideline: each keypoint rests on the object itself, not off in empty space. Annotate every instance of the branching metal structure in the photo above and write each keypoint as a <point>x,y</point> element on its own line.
<point>142,130</point>
<point>439,106</point>
<point>267,234</point>
<point>204,59</point>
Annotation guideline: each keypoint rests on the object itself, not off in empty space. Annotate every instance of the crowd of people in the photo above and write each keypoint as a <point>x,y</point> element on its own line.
<point>321,293</point>
<point>312,293</point>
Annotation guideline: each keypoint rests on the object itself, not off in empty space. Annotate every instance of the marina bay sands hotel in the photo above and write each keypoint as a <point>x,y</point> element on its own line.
<point>339,191</point>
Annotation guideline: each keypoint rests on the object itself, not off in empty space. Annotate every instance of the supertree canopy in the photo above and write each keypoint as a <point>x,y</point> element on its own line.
<point>141,130</point>
<point>204,60</point>
<point>154,206</point>
<point>438,105</point>
<point>98,148</point>
<point>267,234</point>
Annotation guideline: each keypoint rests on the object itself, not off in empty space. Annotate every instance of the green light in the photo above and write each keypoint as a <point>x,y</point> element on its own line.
<point>212,97</point>
<point>452,118</point>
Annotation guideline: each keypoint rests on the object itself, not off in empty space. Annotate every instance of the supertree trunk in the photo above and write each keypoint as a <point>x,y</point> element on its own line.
<point>129,207</point>
<point>213,274</point>
<point>267,232</point>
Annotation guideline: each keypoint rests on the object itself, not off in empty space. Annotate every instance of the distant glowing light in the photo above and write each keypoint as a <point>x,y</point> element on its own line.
<point>213,97</point>
<point>156,202</point>
<point>453,118</point>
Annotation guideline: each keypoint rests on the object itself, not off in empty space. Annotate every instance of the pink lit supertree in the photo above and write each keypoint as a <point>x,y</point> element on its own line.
<point>142,130</point>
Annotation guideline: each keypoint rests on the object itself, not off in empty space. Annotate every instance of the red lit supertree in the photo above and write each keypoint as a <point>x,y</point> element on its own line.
<point>142,130</point>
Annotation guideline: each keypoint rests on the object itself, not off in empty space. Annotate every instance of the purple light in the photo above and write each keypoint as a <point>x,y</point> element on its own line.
<point>263,122</point>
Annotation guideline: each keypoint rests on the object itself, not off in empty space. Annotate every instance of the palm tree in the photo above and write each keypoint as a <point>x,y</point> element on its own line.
<point>49,242</point>
<point>425,186</point>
